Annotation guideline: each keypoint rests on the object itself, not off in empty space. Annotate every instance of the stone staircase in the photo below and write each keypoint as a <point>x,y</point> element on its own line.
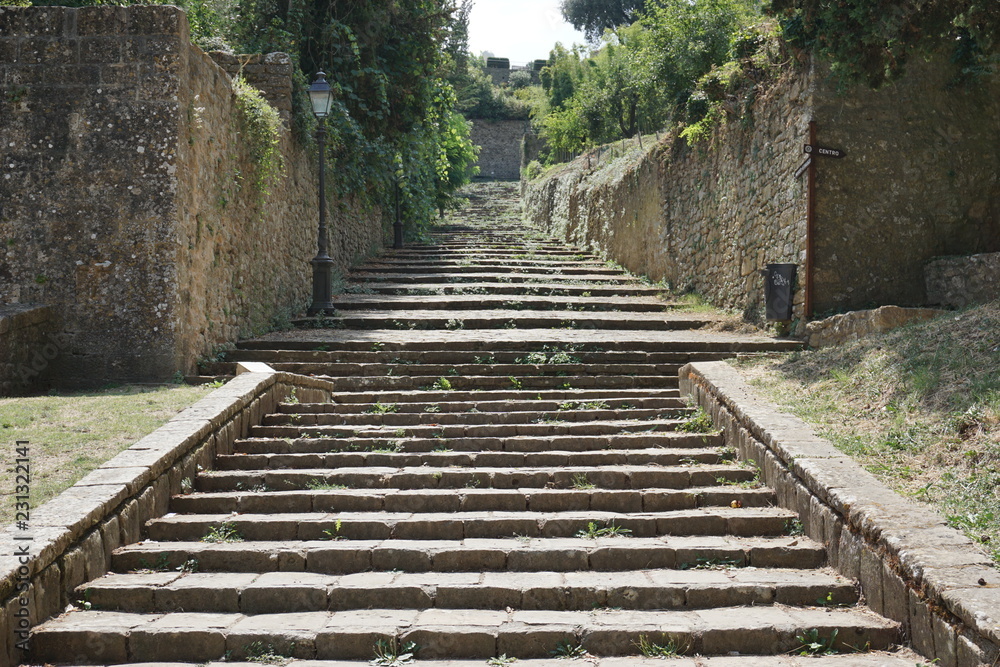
<point>507,471</point>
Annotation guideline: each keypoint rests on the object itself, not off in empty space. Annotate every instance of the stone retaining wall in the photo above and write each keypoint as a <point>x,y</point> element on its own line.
<point>912,568</point>
<point>500,143</point>
<point>128,195</point>
<point>918,179</point>
<point>27,347</point>
<point>69,540</point>
<point>703,218</point>
<point>957,282</point>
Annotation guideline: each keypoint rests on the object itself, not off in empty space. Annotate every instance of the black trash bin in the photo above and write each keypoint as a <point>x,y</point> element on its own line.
<point>779,280</point>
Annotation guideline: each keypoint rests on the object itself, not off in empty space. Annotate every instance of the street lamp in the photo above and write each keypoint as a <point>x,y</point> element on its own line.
<point>321,96</point>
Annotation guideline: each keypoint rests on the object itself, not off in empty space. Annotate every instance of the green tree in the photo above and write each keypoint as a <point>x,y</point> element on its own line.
<point>872,40</point>
<point>593,17</point>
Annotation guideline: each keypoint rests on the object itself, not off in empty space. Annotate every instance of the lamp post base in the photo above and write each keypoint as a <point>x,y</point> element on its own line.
<point>322,303</point>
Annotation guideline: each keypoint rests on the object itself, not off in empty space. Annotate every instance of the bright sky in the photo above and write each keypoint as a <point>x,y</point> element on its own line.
<point>522,30</point>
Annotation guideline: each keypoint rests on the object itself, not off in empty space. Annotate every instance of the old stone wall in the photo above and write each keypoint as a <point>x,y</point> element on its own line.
<point>921,179</point>
<point>500,142</point>
<point>127,195</point>
<point>28,345</point>
<point>957,282</point>
<point>703,218</point>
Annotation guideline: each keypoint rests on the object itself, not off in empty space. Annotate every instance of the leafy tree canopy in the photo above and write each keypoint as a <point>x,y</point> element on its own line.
<point>592,17</point>
<point>872,40</point>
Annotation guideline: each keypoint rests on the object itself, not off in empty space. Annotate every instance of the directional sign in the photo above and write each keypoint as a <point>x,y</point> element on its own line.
<point>825,152</point>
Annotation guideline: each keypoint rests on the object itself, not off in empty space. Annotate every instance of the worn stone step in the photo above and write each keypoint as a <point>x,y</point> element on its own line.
<point>499,409</point>
<point>604,554</point>
<point>485,286</point>
<point>452,396</point>
<point>471,265</point>
<point>394,414</point>
<point>448,370</point>
<point>896,658</point>
<point>442,459</point>
<point>512,319</point>
<point>528,383</point>
<point>296,592</point>
<point>576,443</point>
<point>611,278</point>
<point>425,477</point>
<point>116,637</point>
<point>483,301</point>
<point>307,426</point>
<point>323,354</point>
<point>747,521</point>
<point>326,499</point>
<point>526,340</point>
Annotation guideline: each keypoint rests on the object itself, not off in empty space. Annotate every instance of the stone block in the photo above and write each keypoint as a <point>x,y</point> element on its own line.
<point>921,626</point>
<point>870,574</point>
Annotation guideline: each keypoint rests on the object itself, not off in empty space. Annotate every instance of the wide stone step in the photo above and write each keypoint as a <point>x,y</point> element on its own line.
<point>328,499</point>
<point>296,592</point>
<point>559,444</point>
<point>394,414</point>
<point>298,426</point>
<point>520,370</point>
<point>593,278</point>
<point>116,637</point>
<point>499,409</point>
<point>896,658</point>
<point>443,459</point>
<point>604,554</point>
<point>529,383</point>
<point>321,353</point>
<point>520,340</point>
<point>425,397</point>
<point>485,286</point>
<point>747,521</point>
<point>513,319</point>
<point>484,301</point>
<point>425,477</point>
<point>512,267</point>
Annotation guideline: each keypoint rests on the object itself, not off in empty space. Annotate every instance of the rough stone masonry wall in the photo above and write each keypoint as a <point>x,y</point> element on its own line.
<point>921,179</point>
<point>705,218</point>
<point>126,195</point>
<point>957,282</point>
<point>27,346</point>
<point>500,143</point>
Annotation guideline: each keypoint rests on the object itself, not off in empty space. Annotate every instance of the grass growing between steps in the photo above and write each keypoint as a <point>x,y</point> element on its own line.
<point>919,407</point>
<point>71,434</point>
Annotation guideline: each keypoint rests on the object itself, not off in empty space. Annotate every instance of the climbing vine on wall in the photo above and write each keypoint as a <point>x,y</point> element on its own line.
<point>260,129</point>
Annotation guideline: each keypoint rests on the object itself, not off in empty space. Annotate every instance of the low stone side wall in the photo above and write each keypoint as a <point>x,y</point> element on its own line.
<point>69,540</point>
<point>270,73</point>
<point>860,323</point>
<point>912,568</point>
<point>28,345</point>
<point>957,282</point>
<point>500,141</point>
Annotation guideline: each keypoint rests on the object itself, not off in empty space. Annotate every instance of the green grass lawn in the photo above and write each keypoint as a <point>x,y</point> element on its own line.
<point>71,434</point>
<point>919,407</point>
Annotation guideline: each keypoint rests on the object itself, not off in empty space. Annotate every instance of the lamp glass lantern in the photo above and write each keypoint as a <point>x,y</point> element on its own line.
<point>321,96</point>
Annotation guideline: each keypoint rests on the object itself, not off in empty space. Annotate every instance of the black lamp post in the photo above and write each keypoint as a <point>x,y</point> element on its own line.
<point>321,96</point>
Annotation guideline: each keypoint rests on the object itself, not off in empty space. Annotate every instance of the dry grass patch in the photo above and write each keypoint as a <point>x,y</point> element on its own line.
<point>71,434</point>
<point>919,407</point>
